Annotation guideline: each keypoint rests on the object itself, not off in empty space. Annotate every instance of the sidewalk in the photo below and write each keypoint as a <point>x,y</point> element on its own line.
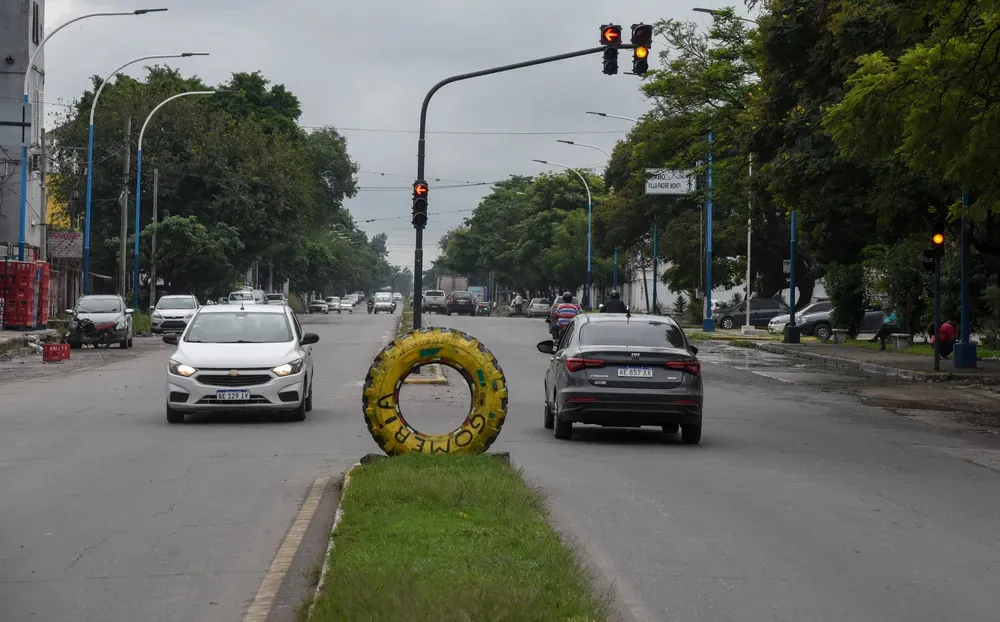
<point>892,364</point>
<point>14,343</point>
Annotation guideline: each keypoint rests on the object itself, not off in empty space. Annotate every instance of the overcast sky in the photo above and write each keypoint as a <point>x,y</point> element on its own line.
<point>365,66</point>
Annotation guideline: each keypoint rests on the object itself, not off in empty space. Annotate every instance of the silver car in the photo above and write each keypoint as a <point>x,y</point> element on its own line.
<point>539,307</point>
<point>172,313</point>
<point>250,359</point>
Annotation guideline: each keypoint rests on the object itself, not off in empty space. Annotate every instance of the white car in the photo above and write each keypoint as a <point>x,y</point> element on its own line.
<point>333,303</point>
<point>384,303</point>
<point>172,314</point>
<point>319,306</point>
<point>252,359</point>
<point>277,299</point>
<point>346,305</point>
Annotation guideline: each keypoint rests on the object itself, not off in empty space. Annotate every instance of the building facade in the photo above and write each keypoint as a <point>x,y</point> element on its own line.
<point>21,32</point>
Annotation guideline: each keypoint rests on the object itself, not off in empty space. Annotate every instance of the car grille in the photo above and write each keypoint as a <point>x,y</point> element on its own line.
<point>173,324</point>
<point>254,399</point>
<point>225,380</point>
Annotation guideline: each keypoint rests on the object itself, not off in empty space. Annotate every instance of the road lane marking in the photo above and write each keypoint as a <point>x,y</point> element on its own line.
<point>260,608</point>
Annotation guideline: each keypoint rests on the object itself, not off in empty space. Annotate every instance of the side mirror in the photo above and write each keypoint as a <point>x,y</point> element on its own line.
<point>70,311</point>
<point>546,347</point>
<point>170,339</point>
<point>129,311</point>
<point>694,349</point>
<point>309,339</point>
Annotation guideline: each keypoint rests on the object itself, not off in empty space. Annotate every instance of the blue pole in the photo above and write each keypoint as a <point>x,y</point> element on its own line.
<point>965,350</point>
<point>708,324</point>
<point>86,215</point>
<point>792,331</point>
<point>24,181</point>
<point>586,296</point>
<point>616,270</point>
<point>655,262</point>
<point>138,228</point>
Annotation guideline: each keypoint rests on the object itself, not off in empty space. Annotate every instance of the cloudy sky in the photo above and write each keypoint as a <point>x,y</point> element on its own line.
<point>365,66</point>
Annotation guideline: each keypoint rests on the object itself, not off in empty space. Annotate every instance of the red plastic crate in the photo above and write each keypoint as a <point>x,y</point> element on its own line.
<point>55,352</point>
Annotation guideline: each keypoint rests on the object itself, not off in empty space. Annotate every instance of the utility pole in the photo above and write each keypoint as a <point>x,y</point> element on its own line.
<point>43,168</point>
<point>152,255</point>
<point>123,235</point>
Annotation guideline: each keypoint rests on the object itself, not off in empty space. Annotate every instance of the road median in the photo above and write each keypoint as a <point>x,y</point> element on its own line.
<point>449,538</point>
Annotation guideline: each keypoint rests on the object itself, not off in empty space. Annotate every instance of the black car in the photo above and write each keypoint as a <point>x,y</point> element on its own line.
<point>623,371</point>
<point>461,302</point>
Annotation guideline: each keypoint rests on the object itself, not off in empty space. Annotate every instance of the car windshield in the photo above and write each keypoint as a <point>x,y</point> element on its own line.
<point>177,303</point>
<point>461,295</point>
<point>632,333</point>
<point>383,297</point>
<point>99,305</point>
<point>332,300</point>
<point>539,301</point>
<point>241,296</point>
<point>816,307</point>
<point>239,327</point>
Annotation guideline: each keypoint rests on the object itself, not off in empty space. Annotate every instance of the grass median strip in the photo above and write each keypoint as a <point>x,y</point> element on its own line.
<point>450,538</point>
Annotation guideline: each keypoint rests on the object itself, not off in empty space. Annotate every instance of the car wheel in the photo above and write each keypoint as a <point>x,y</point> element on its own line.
<point>691,433</point>
<point>563,429</point>
<point>823,331</point>
<point>174,416</point>
<point>670,428</point>
<point>548,419</point>
<point>727,323</point>
<point>123,344</point>
<point>131,344</point>
<point>309,399</point>
<point>75,345</point>
<point>299,414</point>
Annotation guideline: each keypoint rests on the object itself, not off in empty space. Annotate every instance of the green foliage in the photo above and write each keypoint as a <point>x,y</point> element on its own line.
<point>845,284</point>
<point>680,305</point>
<point>990,326</point>
<point>895,276</point>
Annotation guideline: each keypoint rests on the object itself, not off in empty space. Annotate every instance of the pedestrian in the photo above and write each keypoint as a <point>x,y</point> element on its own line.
<point>947,334</point>
<point>518,304</point>
<point>890,325</point>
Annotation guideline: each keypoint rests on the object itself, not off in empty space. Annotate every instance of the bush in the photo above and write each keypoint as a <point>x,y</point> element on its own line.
<point>845,284</point>
<point>680,305</point>
<point>695,310</point>
<point>295,302</point>
<point>141,324</point>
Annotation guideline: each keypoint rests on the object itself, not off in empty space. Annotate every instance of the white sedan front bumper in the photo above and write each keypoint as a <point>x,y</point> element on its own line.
<point>256,389</point>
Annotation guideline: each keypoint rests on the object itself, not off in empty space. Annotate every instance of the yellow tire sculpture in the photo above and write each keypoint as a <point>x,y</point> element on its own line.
<point>380,398</point>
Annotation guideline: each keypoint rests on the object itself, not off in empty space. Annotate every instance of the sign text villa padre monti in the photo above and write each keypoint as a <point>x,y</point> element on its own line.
<point>669,181</point>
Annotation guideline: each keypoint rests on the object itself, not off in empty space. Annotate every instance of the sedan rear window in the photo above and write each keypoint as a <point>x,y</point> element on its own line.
<point>434,292</point>
<point>239,327</point>
<point>462,295</point>
<point>628,333</point>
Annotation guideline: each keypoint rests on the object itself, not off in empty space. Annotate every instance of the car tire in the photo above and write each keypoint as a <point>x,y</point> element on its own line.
<point>691,433</point>
<point>174,416</point>
<point>299,414</point>
<point>727,323</point>
<point>670,428</point>
<point>123,344</point>
<point>562,429</point>
<point>309,399</point>
<point>548,419</point>
<point>131,343</point>
<point>75,345</point>
<point>823,332</point>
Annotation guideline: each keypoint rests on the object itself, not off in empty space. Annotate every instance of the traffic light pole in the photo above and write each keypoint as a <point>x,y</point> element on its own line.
<point>418,251</point>
<point>937,312</point>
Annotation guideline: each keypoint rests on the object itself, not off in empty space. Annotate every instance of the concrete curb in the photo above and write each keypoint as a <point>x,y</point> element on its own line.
<point>439,378</point>
<point>337,517</point>
<point>851,364</point>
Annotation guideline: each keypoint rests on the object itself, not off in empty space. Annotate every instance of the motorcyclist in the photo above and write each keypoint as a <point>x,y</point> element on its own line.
<point>371,304</point>
<point>562,315</point>
<point>614,304</point>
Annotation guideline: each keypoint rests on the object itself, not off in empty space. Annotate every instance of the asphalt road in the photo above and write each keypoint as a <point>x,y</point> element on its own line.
<point>800,504</point>
<point>107,513</point>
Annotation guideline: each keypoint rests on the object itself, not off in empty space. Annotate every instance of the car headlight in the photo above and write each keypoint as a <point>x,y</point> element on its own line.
<point>156,315</point>
<point>180,369</point>
<point>288,369</point>
<point>121,323</point>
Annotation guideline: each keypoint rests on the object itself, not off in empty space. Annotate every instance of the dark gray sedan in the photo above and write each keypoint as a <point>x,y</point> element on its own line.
<point>623,371</point>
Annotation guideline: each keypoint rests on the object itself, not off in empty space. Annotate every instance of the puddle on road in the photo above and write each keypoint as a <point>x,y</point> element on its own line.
<point>777,367</point>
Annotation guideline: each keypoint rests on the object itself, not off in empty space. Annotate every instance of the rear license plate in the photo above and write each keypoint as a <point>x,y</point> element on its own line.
<point>635,372</point>
<point>232,396</point>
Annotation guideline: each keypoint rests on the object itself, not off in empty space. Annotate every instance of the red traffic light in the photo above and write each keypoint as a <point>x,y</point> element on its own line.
<point>611,34</point>
<point>419,189</point>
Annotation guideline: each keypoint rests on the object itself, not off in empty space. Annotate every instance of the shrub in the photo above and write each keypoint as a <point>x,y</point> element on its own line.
<point>845,284</point>
<point>295,302</point>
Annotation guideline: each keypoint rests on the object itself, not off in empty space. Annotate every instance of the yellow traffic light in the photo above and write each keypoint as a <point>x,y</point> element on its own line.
<point>938,239</point>
<point>641,52</point>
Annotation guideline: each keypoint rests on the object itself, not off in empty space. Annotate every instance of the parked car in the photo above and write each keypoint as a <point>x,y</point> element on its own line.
<point>435,301</point>
<point>539,307</point>
<point>461,302</point>
<point>278,299</point>
<point>232,360</point>
<point>777,324</point>
<point>105,309</point>
<point>172,313</point>
<point>820,325</point>
<point>623,371</point>
<point>319,306</point>
<point>762,310</point>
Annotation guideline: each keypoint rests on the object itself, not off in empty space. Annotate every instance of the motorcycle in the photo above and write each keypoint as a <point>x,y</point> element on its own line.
<point>84,331</point>
<point>371,305</point>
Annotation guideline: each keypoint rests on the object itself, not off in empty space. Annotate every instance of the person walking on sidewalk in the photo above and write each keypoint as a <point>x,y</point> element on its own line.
<point>890,325</point>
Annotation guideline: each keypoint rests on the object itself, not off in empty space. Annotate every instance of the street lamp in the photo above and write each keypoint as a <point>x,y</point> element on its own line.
<point>138,185</point>
<point>717,13</point>
<point>586,300</point>
<point>614,116</point>
<point>90,155</point>
<point>570,142</point>
<point>24,116</point>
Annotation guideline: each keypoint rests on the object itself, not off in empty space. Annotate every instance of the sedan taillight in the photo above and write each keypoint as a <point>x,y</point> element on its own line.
<point>578,364</point>
<point>691,367</point>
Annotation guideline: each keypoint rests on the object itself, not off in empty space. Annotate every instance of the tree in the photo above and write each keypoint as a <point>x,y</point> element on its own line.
<point>207,273</point>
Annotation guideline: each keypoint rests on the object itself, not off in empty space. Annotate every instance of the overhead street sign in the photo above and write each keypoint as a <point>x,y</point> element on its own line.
<point>669,181</point>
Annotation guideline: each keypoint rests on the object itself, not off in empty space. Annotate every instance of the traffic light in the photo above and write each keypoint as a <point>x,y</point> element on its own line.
<point>419,204</point>
<point>611,61</point>
<point>611,34</point>
<point>642,38</point>
<point>937,237</point>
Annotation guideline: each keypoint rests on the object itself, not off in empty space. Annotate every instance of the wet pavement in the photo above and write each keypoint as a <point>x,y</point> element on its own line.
<point>30,367</point>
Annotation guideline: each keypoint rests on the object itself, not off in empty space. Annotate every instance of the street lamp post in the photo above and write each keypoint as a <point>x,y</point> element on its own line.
<point>747,328</point>
<point>90,155</point>
<point>717,13</point>
<point>586,292</point>
<point>138,186</point>
<point>24,116</point>
<point>613,116</point>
